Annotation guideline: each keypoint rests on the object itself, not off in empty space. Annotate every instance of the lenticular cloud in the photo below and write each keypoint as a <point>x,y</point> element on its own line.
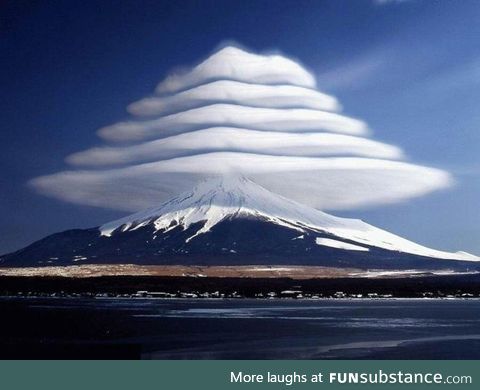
<point>239,113</point>
<point>232,63</point>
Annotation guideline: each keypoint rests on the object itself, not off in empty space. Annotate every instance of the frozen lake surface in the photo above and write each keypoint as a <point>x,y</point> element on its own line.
<point>239,329</point>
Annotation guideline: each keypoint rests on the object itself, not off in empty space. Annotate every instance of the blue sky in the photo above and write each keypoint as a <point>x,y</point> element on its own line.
<point>410,69</point>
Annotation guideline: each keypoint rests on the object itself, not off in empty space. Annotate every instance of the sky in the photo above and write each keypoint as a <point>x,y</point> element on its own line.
<point>409,69</point>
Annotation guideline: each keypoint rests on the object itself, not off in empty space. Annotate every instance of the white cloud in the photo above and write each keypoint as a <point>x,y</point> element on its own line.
<point>270,119</point>
<point>228,91</point>
<point>244,127</point>
<point>325,183</point>
<point>232,63</point>
<point>237,140</point>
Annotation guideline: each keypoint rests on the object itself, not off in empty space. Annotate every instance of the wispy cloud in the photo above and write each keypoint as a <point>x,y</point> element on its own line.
<point>464,75</point>
<point>356,73</point>
<point>383,2</point>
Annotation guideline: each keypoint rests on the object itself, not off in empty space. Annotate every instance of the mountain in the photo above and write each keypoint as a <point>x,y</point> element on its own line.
<point>234,221</point>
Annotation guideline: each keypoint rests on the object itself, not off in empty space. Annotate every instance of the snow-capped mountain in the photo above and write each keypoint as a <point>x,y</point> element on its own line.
<point>222,198</point>
<point>232,220</point>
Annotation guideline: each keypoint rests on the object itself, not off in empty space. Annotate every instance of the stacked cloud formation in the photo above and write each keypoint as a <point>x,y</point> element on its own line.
<point>239,113</point>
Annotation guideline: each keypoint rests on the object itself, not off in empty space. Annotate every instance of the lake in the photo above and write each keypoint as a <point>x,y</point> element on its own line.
<point>37,328</point>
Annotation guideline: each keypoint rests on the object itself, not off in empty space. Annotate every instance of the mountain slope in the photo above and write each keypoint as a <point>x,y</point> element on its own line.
<point>234,221</point>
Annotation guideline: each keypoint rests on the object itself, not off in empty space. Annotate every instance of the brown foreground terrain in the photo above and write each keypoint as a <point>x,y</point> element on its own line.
<point>245,271</point>
<point>88,271</point>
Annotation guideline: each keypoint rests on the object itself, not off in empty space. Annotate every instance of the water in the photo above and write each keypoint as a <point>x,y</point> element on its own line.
<point>239,329</point>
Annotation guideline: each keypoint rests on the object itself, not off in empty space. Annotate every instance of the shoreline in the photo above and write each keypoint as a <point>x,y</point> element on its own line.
<point>321,299</point>
<point>465,286</point>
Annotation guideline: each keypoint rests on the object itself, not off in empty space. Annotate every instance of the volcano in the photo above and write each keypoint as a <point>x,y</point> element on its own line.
<point>231,220</point>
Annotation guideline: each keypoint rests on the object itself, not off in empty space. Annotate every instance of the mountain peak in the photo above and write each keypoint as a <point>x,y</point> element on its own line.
<point>212,201</point>
<point>232,184</point>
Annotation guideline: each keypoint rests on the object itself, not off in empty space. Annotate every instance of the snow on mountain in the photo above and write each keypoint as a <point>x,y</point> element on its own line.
<point>339,244</point>
<point>222,198</point>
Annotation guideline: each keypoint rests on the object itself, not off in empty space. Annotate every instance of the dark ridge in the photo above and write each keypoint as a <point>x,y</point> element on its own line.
<point>248,287</point>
